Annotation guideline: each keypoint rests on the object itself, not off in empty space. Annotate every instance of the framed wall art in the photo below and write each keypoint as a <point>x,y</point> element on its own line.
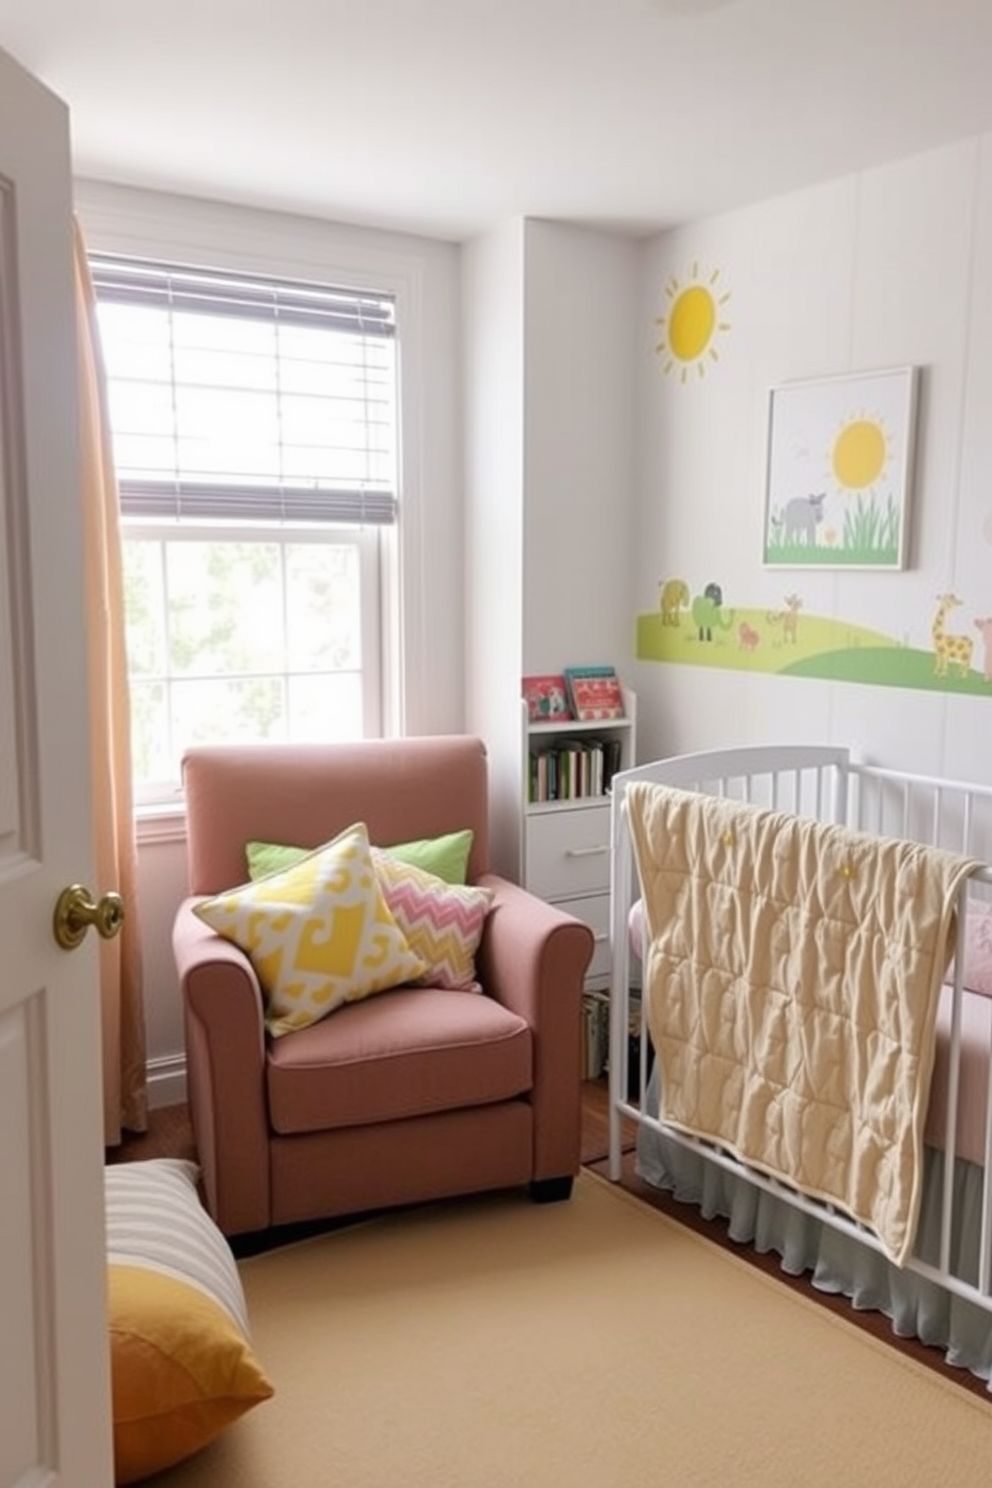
<point>839,471</point>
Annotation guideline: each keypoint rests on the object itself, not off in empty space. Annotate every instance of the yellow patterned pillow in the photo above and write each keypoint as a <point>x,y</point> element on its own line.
<point>443,922</point>
<point>319,934</point>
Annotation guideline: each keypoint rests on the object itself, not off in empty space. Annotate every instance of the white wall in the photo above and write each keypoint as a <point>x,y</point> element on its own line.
<point>550,315</point>
<point>580,405</point>
<point>161,886</point>
<point>888,268</point>
<point>491,578</point>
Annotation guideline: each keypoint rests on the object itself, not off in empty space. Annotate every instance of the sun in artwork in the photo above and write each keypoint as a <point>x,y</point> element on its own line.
<point>694,320</point>
<point>860,453</point>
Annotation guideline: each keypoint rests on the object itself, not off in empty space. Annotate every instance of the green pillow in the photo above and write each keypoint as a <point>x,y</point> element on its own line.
<point>270,857</point>
<point>446,857</point>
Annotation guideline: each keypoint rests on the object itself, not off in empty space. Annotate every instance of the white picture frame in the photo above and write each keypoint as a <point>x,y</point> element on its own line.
<point>839,460</point>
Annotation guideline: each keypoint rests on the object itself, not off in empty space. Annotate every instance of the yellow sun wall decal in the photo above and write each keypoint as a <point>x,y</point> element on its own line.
<point>692,323</point>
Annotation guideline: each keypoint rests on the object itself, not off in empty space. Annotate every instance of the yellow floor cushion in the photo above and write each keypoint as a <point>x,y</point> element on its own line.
<point>182,1363</point>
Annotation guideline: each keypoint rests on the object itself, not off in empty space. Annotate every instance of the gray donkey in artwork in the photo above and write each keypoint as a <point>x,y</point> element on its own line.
<point>801,518</point>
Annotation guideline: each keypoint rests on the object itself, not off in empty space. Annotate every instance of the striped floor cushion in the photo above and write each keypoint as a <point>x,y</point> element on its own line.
<point>182,1364</point>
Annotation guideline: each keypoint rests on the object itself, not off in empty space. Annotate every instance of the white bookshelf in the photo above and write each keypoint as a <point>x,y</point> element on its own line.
<point>566,842</point>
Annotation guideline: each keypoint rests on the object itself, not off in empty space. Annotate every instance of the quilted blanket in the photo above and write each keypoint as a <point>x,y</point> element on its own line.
<point>792,973</point>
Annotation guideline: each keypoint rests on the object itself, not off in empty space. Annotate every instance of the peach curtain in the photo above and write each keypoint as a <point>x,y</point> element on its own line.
<point>124,1082</point>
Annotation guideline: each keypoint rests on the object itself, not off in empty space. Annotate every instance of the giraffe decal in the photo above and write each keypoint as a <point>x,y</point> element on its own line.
<point>950,650</point>
<point>984,628</point>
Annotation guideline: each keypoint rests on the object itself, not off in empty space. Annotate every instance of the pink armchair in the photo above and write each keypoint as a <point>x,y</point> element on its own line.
<point>415,1093</point>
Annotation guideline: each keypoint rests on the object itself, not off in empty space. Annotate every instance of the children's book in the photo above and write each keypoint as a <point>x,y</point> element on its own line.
<point>547,699</point>
<point>594,693</point>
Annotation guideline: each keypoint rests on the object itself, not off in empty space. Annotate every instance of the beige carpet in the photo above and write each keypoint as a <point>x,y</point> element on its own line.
<point>493,1343</point>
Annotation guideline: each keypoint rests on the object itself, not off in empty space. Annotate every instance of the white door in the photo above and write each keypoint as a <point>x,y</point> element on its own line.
<point>54,1381</point>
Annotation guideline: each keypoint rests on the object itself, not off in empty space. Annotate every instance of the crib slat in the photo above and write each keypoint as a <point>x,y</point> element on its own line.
<point>953,1086</point>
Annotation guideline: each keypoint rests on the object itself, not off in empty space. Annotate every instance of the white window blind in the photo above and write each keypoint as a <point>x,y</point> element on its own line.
<point>254,426</point>
<point>248,399</point>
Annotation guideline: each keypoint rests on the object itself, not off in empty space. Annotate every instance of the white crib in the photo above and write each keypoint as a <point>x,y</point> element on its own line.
<point>943,1293</point>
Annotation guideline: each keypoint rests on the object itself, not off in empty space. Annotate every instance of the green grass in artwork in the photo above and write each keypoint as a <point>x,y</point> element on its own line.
<point>871,532</point>
<point>794,556</point>
<point>870,539</point>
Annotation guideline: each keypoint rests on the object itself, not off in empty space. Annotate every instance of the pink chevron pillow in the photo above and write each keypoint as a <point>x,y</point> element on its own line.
<point>442,922</point>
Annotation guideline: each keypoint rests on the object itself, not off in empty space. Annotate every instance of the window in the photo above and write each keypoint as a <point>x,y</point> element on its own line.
<point>254,426</point>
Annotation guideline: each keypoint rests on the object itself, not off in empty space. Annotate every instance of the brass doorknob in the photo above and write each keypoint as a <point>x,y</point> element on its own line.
<point>75,912</point>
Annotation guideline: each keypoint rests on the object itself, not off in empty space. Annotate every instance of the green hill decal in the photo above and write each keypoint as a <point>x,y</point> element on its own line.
<point>793,644</point>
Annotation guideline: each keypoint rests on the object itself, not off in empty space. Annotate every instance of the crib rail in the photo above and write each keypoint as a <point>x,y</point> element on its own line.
<point>825,784</point>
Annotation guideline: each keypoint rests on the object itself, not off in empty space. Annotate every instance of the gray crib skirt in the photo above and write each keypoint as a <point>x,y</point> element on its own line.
<point>917,1307</point>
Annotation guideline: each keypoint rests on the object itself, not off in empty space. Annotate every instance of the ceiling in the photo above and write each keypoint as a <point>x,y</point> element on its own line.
<point>446,117</point>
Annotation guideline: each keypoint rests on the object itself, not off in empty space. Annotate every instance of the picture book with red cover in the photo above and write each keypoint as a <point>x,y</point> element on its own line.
<point>594,693</point>
<point>547,699</point>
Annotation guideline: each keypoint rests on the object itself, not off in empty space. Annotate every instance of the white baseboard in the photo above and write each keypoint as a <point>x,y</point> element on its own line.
<point>166,1077</point>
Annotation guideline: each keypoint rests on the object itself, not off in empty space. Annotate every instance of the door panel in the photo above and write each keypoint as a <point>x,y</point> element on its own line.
<point>54,1378</point>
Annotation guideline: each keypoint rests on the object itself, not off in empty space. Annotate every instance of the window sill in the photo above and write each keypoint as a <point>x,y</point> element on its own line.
<point>160,823</point>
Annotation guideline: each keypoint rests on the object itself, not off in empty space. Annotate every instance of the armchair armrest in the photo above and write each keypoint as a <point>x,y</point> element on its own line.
<point>225,1072</point>
<point>533,959</point>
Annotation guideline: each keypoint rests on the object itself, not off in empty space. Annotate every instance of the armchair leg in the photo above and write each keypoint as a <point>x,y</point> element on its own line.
<point>551,1190</point>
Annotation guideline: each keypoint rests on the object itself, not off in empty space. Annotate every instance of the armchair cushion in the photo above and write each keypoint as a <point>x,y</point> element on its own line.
<point>407,1053</point>
<point>319,934</point>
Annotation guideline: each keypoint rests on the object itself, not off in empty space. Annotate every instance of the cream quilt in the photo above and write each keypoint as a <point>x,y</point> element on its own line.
<point>792,972</point>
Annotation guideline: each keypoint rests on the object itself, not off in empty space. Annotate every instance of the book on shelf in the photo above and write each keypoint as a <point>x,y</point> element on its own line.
<point>594,693</point>
<point>595,1034</point>
<point>572,769</point>
<point>595,1052</point>
<point>547,698</point>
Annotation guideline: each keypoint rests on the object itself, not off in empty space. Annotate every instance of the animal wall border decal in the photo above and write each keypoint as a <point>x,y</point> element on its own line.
<point>693,625</point>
